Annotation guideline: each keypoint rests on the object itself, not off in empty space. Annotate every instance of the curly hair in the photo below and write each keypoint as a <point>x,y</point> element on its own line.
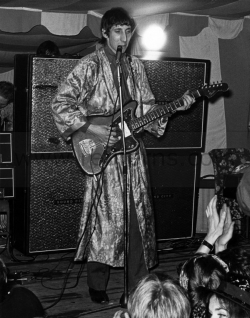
<point>155,297</point>
<point>202,270</point>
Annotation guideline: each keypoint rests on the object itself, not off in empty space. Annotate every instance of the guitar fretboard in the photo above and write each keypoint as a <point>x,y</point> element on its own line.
<point>160,111</point>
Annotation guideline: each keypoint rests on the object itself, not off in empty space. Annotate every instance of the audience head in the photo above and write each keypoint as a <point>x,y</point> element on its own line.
<point>205,270</point>
<point>231,299</point>
<point>6,93</point>
<point>48,48</point>
<point>156,296</point>
<point>114,16</point>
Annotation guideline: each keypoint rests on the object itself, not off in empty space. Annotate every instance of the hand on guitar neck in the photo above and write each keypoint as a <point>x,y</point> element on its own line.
<point>106,134</point>
<point>188,101</point>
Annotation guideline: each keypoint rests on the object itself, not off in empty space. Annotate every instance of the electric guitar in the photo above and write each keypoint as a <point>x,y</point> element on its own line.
<point>93,156</point>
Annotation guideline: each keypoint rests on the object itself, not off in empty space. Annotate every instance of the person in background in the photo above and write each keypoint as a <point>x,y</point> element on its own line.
<point>6,105</point>
<point>157,296</point>
<point>17,301</point>
<point>48,48</point>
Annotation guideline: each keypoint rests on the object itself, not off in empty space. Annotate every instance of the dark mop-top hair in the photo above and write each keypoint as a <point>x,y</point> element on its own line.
<point>115,16</point>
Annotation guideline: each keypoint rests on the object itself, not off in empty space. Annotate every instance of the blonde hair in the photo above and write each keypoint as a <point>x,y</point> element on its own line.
<point>158,298</point>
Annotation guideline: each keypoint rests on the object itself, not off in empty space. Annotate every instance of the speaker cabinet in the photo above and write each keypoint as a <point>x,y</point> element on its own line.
<point>174,176</point>
<point>36,81</point>
<point>48,206</point>
<point>49,184</point>
<point>169,80</point>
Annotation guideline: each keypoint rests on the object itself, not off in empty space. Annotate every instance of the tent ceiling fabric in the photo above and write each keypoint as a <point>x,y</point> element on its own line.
<point>217,30</point>
<point>27,43</point>
<point>74,24</point>
<point>135,7</point>
<point>233,10</point>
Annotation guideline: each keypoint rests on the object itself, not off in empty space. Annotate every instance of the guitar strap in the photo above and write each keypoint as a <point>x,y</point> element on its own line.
<point>129,59</point>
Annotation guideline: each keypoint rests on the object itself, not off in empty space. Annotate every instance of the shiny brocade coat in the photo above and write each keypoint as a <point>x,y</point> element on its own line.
<point>90,90</point>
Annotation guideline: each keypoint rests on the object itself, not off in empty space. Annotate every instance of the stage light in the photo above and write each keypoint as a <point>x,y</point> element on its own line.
<point>154,38</point>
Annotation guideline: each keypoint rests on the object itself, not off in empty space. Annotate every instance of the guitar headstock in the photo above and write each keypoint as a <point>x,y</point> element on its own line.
<point>210,90</point>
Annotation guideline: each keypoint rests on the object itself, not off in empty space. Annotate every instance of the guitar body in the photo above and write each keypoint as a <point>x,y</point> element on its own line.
<point>91,154</point>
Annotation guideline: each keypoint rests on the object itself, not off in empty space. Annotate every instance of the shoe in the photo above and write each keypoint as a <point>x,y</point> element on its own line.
<point>98,296</point>
<point>122,301</point>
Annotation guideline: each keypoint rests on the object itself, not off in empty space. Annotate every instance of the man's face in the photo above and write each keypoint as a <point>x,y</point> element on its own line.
<point>3,102</point>
<point>118,35</point>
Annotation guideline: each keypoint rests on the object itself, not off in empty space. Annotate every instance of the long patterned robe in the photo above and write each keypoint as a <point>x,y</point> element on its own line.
<point>90,90</point>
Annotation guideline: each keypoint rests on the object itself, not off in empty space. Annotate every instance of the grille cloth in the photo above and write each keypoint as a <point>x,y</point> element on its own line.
<point>47,74</point>
<point>56,191</point>
<point>169,80</point>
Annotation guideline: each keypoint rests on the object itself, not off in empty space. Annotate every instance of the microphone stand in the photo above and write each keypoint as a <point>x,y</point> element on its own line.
<point>125,173</point>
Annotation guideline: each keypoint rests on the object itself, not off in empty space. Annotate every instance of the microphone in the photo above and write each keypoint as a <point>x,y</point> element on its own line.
<point>118,54</point>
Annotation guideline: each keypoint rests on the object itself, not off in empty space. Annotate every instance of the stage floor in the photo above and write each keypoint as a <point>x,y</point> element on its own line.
<point>67,295</point>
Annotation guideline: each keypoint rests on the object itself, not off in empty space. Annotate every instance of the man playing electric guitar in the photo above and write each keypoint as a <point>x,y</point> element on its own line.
<point>91,89</point>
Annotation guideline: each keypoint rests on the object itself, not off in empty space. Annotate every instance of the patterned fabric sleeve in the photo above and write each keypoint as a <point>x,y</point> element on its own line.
<point>67,110</point>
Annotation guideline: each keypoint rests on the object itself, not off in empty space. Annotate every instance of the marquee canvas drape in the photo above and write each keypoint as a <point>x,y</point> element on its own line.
<point>225,42</point>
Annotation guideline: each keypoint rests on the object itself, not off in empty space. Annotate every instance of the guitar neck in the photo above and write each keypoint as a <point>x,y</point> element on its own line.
<point>161,111</point>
